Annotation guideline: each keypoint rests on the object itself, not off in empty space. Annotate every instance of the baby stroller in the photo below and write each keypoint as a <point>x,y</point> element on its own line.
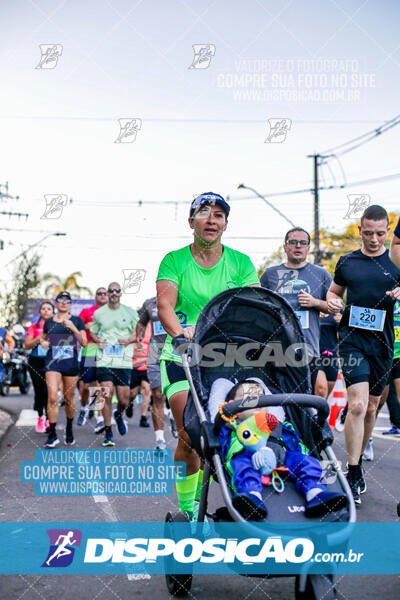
<point>262,320</point>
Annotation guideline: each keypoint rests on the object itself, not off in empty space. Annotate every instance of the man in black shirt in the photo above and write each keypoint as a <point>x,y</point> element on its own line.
<point>365,333</point>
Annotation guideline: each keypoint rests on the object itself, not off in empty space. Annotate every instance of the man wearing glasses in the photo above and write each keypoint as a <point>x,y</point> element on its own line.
<point>112,330</point>
<point>304,286</point>
<point>87,375</point>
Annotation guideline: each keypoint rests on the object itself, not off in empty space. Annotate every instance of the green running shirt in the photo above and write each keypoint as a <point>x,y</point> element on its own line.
<point>197,285</point>
<point>114,324</point>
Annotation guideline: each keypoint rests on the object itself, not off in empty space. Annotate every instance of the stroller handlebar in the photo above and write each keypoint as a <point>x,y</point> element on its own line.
<point>300,400</point>
<point>180,344</point>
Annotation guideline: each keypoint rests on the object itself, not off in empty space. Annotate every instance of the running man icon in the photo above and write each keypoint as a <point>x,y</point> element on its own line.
<point>62,547</point>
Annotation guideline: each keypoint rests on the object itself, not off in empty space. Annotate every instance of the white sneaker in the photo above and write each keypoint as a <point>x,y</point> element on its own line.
<point>100,426</point>
<point>369,451</point>
<point>161,445</point>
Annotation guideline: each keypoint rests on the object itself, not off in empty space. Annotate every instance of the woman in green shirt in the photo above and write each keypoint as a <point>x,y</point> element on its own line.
<point>187,280</point>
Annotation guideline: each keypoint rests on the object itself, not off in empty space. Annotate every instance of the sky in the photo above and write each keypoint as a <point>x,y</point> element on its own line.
<point>329,71</point>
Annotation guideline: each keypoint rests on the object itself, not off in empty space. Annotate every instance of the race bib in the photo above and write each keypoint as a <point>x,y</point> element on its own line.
<point>41,351</point>
<point>397,334</point>
<point>367,318</point>
<point>303,316</point>
<point>62,352</point>
<point>112,350</point>
<point>158,328</point>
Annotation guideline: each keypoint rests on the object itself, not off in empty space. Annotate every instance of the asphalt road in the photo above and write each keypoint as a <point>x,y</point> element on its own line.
<point>19,503</point>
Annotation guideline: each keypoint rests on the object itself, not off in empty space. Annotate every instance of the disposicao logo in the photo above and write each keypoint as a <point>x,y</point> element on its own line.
<point>62,547</point>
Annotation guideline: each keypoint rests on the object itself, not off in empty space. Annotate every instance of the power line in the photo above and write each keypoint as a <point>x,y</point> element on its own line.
<point>360,140</point>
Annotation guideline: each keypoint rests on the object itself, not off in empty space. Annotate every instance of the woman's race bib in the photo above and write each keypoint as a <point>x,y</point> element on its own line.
<point>62,352</point>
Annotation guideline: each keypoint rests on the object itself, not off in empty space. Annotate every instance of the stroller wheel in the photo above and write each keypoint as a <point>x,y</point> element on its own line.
<point>318,587</point>
<point>178,584</point>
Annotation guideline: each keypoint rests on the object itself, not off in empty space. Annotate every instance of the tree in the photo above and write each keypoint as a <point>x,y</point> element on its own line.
<point>23,284</point>
<point>70,284</point>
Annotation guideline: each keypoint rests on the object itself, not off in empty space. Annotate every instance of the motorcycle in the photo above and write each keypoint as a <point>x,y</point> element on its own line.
<point>15,365</point>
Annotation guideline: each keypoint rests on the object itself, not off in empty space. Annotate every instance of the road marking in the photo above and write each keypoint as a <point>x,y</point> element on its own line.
<point>393,438</point>
<point>380,428</point>
<point>382,415</point>
<point>27,418</point>
<point>110,513</point>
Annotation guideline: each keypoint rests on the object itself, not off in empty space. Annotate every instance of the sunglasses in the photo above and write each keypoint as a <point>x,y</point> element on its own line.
<point>295,242</point>
<point>114,290</point>
<point>64,301</point>
<point>102,293</point>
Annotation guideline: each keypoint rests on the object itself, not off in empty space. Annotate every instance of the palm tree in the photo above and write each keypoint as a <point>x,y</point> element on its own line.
<point>70,284</point>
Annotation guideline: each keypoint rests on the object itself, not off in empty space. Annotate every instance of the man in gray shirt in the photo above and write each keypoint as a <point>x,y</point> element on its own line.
<point>304,287</point>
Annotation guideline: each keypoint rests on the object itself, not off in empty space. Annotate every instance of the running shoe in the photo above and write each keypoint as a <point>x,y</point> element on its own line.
<point>82,417</point>
<point>339,423</point>
<point>161,445</point>
<point>362,482</point>
<point>129,410</point>
<point>174,431</point>
<point>100,426</point>
<point>369,451</point>
<point>392,431</point>
<point>40,425</point>
<point>121,425</point>
<point>69,439</point>
<point>109,440</point>
<point>355,489</point>
<point>52,441</point>
<point>144,422</point>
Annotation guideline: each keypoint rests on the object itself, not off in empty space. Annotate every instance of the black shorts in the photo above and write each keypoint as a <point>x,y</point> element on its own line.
<point>88,369</point>
<point>137,377</point>
<point>358,366</point>
<point>119,377</point>
<point>395,372</point>
<point>329,364</point>
<point>68,369</point>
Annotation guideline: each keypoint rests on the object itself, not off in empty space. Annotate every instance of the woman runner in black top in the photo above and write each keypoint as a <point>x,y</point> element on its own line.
<point>63,332</point>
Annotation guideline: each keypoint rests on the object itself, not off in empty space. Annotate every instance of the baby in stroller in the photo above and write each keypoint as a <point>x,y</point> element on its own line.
<point>267,430</point>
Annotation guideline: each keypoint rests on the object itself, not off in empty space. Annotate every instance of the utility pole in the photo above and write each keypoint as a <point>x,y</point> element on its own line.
<point>317,251</point>
<point>5,195</point>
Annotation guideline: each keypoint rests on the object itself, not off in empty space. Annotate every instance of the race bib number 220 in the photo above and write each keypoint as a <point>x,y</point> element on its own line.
<point>367,318</point>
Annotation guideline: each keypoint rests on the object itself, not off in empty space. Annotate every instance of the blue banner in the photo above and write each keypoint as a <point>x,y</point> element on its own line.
<point>246,548</point>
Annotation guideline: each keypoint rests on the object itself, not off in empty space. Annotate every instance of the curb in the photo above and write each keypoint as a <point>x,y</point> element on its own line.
<point>5,422</point>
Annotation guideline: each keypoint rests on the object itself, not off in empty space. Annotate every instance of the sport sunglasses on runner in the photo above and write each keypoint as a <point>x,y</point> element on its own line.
<point>64,301</point>
<point>102,293</point>
<point>116,290</point>
<point>295,242</point>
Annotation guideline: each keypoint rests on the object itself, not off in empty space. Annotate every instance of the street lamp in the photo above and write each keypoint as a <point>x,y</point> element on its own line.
<point>246,187</point>
<point>33,245</point>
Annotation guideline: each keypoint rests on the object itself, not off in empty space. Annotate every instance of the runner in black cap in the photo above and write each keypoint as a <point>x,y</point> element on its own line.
<point>63,332</point>
<point>366,335</point>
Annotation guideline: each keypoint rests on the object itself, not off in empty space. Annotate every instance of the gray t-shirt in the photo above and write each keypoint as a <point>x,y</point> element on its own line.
<point>148,312</point>
<point>288,282</point>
